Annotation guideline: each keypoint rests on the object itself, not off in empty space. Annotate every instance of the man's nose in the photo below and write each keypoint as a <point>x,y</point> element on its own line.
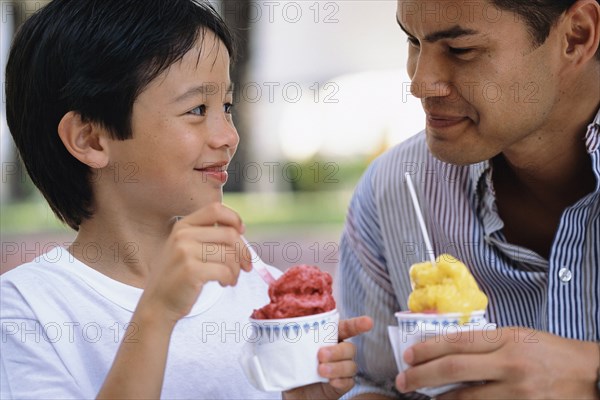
<point>430,77</point>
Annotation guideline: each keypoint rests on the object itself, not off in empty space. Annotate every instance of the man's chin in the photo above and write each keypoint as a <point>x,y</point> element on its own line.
<point>456,156</point>
<point>454,152</point>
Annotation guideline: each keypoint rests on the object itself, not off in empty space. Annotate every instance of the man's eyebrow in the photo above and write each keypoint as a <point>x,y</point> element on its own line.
<point>205,89</point>
<point>451,33</point>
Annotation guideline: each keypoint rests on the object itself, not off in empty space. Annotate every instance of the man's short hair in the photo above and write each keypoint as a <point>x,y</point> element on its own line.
<point>539,15</point>
<point>93,57</point>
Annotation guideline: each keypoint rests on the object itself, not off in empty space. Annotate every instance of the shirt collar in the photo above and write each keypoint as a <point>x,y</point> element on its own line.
<point>592,136</point>
<point>480,175</point>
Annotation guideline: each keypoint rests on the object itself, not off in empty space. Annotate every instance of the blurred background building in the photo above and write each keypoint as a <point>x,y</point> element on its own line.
<point>321,90</point>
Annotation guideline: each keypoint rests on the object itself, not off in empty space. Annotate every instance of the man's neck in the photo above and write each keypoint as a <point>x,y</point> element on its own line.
<point>538,178</point>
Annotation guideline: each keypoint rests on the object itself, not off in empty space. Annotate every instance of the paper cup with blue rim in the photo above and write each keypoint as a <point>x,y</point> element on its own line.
<point>415,328</point>
<point>281,354</point>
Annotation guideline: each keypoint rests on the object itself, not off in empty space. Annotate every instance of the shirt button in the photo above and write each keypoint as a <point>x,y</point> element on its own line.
<point>565,275</point>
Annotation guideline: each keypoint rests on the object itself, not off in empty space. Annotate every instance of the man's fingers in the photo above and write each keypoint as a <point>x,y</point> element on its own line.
<point>483,390</point>
<point>467,342</point>
<point>445,370</point>
<point>354,326</point>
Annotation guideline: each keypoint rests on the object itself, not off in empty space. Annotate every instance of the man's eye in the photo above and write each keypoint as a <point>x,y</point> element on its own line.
<point>228,107</point>
<point>413,41</point>
<point>200,110</point>
<point>459,50</point>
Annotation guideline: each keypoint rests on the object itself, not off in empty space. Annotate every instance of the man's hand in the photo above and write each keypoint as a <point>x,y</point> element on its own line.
<point>507,363</point>
<point>336,363</point>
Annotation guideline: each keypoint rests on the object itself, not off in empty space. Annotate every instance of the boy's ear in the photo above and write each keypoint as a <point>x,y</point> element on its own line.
<point>582,31</point>
<point>86,141</point>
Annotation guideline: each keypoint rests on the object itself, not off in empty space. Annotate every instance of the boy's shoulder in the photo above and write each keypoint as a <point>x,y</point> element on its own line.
<point>47,274</point>
<point>39,269</point>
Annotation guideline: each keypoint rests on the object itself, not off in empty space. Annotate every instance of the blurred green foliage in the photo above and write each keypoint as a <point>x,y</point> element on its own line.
<point>321,175</point>
<point>258,210</point>
<point>318,193</point>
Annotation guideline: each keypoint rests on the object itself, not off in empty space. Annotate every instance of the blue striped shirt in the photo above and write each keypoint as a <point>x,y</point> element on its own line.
<point>382,239</point>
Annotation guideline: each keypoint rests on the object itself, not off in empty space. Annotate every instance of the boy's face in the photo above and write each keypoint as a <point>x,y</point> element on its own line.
<point>183,137</point>
<point>483,85</point>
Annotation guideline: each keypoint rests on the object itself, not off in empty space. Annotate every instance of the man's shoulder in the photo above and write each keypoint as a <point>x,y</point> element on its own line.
<point>407,156</point>
<point>412,149</point>
<point>383,181</point>
<point>411,155</point>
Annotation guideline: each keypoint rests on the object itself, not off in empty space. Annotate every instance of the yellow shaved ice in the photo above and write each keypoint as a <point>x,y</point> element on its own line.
<point>447,287</point>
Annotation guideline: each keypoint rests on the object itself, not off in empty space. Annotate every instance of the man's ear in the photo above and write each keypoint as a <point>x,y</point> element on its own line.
<point>86,141</point>
<point>582,31</point>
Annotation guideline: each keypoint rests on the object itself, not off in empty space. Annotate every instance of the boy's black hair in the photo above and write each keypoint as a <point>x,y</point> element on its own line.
<point>93,57</point>
<point>539,15</point>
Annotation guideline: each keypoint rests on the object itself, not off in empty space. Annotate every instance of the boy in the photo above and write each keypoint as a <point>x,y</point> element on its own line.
<point>121,111</point>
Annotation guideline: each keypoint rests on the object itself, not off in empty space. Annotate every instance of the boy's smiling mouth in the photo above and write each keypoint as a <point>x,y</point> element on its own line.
<point>216,171</point>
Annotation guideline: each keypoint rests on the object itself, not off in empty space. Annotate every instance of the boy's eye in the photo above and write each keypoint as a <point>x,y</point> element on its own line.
<point>228,107</point>
<point>200,110</point>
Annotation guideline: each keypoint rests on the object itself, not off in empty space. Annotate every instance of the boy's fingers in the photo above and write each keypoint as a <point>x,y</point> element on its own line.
<point>354,326</point>
<point>342,369</point>
<point>219,273</point>
<point>219,243</point>
<point>342,384</point>
<point>338,352</point>
<point>214,214</point>
<point>232,257</point>
<point>222,243</point>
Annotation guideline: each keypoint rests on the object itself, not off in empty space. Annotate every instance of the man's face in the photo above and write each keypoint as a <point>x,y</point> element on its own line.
<point>484,86</point>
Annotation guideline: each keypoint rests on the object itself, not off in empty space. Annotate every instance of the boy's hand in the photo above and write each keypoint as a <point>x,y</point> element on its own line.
<point>336,363</point>
<point>202,247</point>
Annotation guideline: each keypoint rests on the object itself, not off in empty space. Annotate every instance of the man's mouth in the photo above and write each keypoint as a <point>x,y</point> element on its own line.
<point>444,121</point>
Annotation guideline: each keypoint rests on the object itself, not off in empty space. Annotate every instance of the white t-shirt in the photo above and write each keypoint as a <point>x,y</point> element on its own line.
<point>62,323</point>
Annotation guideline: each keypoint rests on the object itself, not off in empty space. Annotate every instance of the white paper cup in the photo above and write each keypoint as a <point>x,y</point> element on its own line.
<point>415,328</point>
<point>281,354</point>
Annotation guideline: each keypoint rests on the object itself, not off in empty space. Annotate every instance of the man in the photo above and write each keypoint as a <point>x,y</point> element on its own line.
<point>508,175</point>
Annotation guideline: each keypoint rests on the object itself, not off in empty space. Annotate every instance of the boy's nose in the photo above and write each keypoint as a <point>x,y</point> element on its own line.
<point>224,134</point>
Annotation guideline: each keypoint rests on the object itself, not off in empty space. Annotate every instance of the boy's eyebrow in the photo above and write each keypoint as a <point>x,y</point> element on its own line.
<point>201,90</point>
<point>450,33</point>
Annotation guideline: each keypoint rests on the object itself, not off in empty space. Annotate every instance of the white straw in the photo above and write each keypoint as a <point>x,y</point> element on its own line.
<point>417,207</point>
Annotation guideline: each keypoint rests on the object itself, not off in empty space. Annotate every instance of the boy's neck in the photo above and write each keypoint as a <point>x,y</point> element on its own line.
<point>122,252</point>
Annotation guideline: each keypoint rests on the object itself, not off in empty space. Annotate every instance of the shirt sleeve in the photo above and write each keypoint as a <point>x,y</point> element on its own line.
<point>29,364</point>
<point>365,289</point>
